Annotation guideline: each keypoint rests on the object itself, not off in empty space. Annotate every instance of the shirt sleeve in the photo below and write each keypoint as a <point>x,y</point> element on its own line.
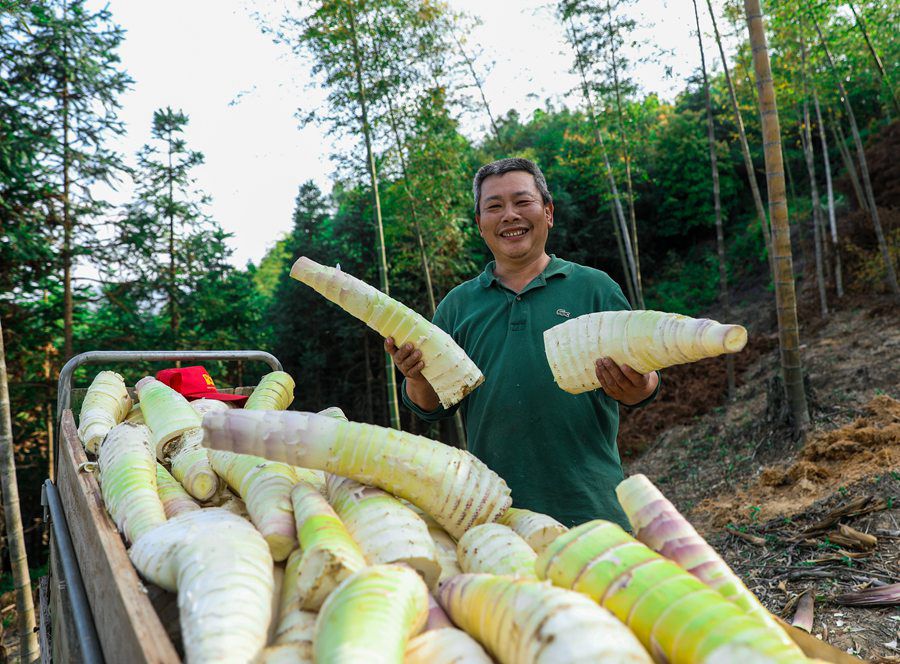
<point>440,413</point>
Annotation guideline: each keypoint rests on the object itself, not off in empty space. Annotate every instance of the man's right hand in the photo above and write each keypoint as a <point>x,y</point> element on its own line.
<point>409,361</point>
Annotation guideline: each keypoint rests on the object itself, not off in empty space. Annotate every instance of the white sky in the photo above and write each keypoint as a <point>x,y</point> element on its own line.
<point>210,59</point>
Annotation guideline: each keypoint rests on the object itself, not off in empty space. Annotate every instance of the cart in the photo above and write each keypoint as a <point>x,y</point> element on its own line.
<point>93,606</point>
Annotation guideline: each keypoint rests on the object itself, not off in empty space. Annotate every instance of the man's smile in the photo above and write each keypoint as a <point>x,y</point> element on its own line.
<point>514,232</point>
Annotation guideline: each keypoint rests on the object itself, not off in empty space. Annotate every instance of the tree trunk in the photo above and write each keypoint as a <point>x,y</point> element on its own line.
<point>745,148</point>
<point>809,155</point>
<point>849,164</point>
<point>878,64</point>
<point>626,149</point>
<point>832,220</point>
<point>173,313</point>
<point>487,107</point>
<point>370,407</point>
<point>890,273</point>
<point>717,206</point>
<point>68,222</point>
<point>816,216</point>
<point>390,377</point>
<point>785,295</point>
<point>18,560</point>
<point>630,267</point>
<point>621,247</point>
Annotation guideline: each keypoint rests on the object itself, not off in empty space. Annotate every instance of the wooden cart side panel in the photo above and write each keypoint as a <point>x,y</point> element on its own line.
<point>127,626</point>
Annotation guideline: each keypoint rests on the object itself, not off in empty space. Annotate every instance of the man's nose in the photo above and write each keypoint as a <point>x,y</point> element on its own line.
<point>509,213</point>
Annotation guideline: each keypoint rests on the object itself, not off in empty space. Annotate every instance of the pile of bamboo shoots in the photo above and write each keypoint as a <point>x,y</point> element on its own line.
<point>314,539</point>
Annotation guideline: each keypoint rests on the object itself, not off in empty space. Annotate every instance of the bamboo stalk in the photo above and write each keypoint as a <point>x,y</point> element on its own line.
<point>745,148</point>
<point>890,273</point>
<point>18,557</point>
<point>390,377</point>
<point>832,221</point>
<point>717,206</point>
<point>785,294</point>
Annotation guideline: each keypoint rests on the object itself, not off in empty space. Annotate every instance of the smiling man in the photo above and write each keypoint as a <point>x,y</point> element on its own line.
<point>557,451</point>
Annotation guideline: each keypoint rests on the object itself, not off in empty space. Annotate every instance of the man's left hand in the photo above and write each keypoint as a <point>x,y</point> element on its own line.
<point>623,383</point>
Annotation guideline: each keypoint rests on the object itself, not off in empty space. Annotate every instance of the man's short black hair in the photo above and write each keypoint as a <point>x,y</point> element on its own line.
<point>502,166</point>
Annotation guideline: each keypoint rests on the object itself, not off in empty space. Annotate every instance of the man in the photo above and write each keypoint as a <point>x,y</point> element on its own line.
<point>557,451</point>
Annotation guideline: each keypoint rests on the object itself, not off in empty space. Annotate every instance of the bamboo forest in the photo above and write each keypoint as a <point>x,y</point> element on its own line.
<point>751,182</point>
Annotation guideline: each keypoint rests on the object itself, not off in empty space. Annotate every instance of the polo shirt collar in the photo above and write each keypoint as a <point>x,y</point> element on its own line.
<point>557,267</point>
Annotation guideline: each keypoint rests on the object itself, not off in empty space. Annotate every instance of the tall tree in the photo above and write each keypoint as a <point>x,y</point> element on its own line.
<point>745,148</point>
<point>879,66</point>
<point>621,231</point>
<point>809,154</point>
<point>338,37</point>
<point>161,244</point>
<point>785,293</point>
<point>829,190</point>
<point>890,272</point>
<point>76,81</point>
<point>28,644</point>
<point>717,204</point>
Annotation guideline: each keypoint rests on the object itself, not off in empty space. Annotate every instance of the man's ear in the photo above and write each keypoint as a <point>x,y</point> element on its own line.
<point>478,223</point>
<point>548,213</point>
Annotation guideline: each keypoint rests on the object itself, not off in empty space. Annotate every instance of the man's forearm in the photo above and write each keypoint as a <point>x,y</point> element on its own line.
<point>422,394</point>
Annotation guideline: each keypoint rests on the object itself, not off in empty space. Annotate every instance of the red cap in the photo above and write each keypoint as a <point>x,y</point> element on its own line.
<point>195,383</point>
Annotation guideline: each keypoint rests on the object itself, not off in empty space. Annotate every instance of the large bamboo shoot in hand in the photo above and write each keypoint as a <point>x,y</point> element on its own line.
<point>448,369</point>
<point>371,616</point>
<point>644,340</point>
<point>451,485</point>
<point>528,622</point>
<point>105,405</point>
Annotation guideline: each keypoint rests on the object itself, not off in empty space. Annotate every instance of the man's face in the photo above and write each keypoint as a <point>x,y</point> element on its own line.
<point>514,221</point>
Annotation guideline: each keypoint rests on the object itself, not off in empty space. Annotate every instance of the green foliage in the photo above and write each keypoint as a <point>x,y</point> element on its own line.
<point>687,284</point>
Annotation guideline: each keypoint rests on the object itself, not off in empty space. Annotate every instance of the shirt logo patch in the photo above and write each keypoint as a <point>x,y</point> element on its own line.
<point>563,313</point>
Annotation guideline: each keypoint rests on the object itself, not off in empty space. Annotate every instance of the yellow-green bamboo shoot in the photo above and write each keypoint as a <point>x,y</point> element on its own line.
<point>521,621</point>
<point>265,487</point>
<point>174,498</point>
<point>371,616</point>
<point>677,617</point>
<point>329,553</point>
<point>191,466</point>
<point>447,645</point>
<point>535,528</point>
<point>448,369</point>
<point>644,340</point>
<point>660,526</point>
<point>166,412</point>
<point>221,568</point>
<point>275,391</point>
<point>386,530</point>
<point>493,548</point>
<point>128,480</point>
<point>451,485</point>
<point>105,405</point>
<point>135,416</point>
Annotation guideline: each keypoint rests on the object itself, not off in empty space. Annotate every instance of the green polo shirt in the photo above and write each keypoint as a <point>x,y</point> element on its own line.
<point>557,451</point>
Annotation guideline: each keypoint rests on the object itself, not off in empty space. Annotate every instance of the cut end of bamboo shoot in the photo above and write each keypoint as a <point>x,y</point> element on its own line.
<point>644,340</point>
